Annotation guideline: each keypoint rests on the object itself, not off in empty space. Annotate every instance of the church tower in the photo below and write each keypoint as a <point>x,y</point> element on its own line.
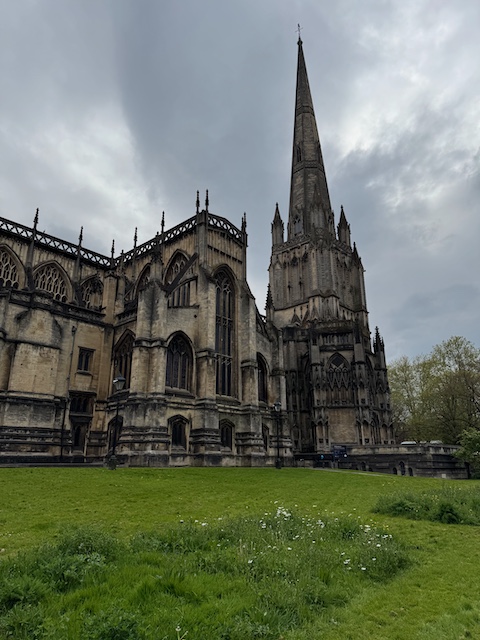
<point>336,380</point>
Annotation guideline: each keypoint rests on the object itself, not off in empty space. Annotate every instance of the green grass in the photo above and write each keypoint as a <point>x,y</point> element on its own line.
<point>134,514</point>
<point>447,504</point>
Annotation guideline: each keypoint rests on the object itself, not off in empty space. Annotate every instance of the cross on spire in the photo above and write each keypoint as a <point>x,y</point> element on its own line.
<point>299,28</point>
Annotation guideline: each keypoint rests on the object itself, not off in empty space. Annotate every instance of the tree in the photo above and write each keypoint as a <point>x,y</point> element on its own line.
<point>437,396</point>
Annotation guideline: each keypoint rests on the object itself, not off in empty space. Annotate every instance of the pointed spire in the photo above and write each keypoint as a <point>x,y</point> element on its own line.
<point>112,254</point>
<point>244,223</point>
<point>277,227</point>
<point>135,237</point>
<point>80,237</point>
<point>269,302</point>
<point>206,201</point>
<point>309,198</point>
<point>35,220</point>
<point>197,202</point>
<point>343,228</point>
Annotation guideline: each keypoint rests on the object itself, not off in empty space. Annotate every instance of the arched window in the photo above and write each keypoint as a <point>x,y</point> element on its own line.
<point>49,278</point>
<point>224,333</point>
<point>8,271</point>
<point>179,363</point>
<point>114,431</point>
<point>144,279</point>
<point>265,436</point>
<point>178,432</point>
<point>299,153</point>
<point>339,375</point>
<point>92,292</point>
<point>122,357</point>
<point>262,379</point>
<point>180,296</point>
<point>226,435</point>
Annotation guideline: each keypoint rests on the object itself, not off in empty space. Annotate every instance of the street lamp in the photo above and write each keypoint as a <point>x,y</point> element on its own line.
<point>277,407</point>
<point>118,385</point>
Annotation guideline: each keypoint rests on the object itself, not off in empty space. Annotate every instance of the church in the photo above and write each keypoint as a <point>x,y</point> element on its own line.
<point>160,356</point>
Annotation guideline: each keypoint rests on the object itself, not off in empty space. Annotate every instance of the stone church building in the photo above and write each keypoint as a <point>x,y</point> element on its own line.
<point>207,379</point>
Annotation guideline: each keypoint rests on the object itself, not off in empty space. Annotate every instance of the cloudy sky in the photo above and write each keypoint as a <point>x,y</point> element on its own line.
<point>112,111</point>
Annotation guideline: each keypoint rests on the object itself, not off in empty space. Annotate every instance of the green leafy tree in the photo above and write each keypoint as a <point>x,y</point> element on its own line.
<point>437,396</point>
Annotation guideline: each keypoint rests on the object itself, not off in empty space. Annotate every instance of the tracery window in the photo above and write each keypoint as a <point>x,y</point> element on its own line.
<point>339,387</point>
<point>8,271</point>
<point>262,379</point>
<point>122,357</point>
<point>48,278</point>
<point>179,363</point>
<point>180,297</point>
<point>224,333</point>
<point>92,292</point>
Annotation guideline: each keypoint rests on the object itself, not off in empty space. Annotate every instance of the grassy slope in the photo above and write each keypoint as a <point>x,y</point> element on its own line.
<point>438,598</point>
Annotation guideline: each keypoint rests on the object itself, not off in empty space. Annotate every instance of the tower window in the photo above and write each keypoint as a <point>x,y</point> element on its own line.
<point>299,153</point>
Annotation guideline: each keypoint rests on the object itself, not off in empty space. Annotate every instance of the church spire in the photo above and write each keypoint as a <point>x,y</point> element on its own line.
<point>309,200</point>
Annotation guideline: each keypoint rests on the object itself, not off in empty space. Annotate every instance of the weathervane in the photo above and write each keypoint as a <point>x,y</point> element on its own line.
<point>299,28</point>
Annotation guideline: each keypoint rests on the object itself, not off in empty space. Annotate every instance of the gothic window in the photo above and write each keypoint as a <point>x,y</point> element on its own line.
<point>339,387</point>
<point>180,296</point>
<point>81,403</point>
<point>48,278</point>
<point>224,333</point>
<point>178,432</point>
<point>122,357</point>
<point>92,291</point>
<point>299,153</point>
<point>226,435</point>
<point>114,432</point>
<point>8,271</point>
<point>179,363</point>
<point>85,359</point>
<point>265,436</point>
<point>262,379</point>
<point>144,279</point>
<point>80,414</point>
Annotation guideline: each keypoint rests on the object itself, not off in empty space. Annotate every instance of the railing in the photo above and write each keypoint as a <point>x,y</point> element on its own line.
<point>54,243</point>
<point>42,238</point>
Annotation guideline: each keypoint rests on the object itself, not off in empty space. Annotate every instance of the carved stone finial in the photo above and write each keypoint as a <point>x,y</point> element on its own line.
<point>207,202</point>
<point>197,202</point>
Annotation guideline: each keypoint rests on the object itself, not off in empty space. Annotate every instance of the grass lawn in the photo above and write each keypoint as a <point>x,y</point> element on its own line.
<point>437,596</point>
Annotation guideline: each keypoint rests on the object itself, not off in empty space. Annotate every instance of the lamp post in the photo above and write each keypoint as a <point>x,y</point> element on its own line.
<point>277,407</point>
<point>118,384</point>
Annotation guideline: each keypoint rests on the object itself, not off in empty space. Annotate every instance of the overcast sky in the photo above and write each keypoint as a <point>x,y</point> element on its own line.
<point>112,111</point>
